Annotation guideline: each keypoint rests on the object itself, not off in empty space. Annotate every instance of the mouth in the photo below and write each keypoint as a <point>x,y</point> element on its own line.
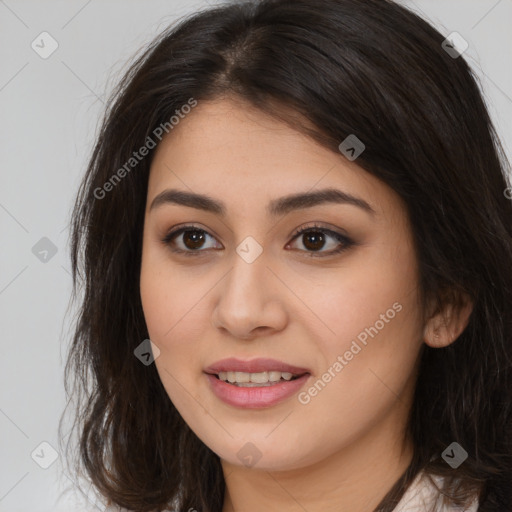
<point>256,395</point>
<point>259,379</point>
<point>255,384</point>
<point>258,372</point>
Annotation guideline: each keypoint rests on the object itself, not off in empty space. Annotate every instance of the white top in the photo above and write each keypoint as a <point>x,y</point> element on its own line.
<point>421,496</point>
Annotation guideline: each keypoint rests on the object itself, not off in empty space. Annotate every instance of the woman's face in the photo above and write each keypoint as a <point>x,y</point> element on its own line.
<point>245,286</point>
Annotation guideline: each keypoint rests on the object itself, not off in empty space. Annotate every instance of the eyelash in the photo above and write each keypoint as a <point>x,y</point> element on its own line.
<point>342,239</point>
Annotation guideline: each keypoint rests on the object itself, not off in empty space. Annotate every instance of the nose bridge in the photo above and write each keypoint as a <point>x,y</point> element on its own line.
<point>245,281</point>
<point>244,300</point>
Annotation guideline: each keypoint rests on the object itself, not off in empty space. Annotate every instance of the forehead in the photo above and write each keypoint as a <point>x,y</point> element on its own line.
<point>241,137</point>
<point>230,149</point>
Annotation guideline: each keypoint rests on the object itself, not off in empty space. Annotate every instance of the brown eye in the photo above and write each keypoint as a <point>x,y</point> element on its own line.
<point>313,240</point>
<point>316,237</point>
<point>193,239</point>
<point>189,240</point>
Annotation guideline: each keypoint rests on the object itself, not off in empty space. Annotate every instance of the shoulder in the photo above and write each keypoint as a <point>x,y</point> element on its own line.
<point>423,494</point>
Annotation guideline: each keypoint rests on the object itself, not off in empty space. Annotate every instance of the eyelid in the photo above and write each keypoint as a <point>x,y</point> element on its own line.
<point>310,226</point>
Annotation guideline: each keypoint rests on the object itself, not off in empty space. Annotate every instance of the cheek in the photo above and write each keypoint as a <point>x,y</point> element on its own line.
<point>165,296</point>
<point>373,315</point>
<point>166,319</point>
<point>156,303</point>
<point>165,313</point>
<point>377,290</point>
<point>172,310</point>
<point>368,372</point>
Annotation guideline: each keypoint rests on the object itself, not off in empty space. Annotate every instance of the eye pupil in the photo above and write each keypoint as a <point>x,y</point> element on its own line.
<point>317,238</point>
<point>195,236</point>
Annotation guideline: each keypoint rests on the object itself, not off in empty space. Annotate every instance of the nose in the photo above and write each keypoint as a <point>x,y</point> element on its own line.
<point>250,301</point>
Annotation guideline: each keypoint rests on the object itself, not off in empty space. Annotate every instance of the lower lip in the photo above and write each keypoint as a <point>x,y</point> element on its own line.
<point>255,397</point>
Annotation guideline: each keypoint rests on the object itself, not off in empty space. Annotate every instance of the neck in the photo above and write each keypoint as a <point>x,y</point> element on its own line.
<point>353,479</point>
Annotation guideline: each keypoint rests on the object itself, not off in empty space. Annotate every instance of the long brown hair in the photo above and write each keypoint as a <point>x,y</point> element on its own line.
<point>365,67</point>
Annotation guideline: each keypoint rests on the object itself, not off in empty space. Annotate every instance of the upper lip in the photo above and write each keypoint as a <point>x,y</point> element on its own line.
<point>258,365</point>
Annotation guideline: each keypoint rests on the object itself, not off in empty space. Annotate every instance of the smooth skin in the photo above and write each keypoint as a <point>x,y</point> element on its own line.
<point>344,449</point>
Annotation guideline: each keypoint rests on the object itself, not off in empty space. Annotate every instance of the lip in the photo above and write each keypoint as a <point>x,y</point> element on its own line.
<point>256,397</point>
<point>258,365</point>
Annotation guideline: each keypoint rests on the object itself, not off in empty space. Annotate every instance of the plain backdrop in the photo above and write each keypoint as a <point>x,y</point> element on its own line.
<point>50,109</point>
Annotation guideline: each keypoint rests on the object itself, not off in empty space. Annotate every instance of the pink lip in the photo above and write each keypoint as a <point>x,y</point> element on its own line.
<point>257,397</point>
<point>233,364</point>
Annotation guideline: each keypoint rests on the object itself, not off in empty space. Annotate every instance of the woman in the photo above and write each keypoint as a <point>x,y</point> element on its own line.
<point>295,246</point>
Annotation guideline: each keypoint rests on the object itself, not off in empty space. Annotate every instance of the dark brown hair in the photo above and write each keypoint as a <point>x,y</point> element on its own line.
<point>366,67</point>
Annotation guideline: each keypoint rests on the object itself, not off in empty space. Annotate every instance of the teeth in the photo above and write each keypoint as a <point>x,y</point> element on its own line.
<point>256,378</point>
<point>274,376</point>
<point>259,378</point>
<point>242,377</point>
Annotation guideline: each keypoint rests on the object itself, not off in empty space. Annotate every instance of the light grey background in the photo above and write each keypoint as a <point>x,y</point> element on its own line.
<point>49,115</point>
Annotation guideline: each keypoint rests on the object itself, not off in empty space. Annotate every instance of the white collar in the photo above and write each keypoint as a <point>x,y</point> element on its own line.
<point>422,496</point>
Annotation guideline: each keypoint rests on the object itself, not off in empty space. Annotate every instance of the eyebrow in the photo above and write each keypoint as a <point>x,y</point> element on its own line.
<point>276,207</point>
